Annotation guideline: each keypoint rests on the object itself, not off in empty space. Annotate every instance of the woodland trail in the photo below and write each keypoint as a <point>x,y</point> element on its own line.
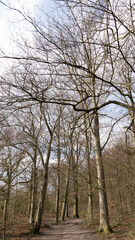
<point>71,229</point>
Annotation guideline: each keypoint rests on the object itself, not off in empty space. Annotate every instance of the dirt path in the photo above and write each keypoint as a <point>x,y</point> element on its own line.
<point>69,230</point>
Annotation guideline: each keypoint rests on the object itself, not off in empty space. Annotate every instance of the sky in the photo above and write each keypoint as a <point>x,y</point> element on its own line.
<point>12,26</point>
<point>10,21</point>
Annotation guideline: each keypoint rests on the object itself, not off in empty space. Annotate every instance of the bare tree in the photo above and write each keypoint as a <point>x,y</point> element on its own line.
<point>10,162</point>
<point>82,60</point>
<point>57,211</point>
<point>45,165</point>
<point>88,152</point>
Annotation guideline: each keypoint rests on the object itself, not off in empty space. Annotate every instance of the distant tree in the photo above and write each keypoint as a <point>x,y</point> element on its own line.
<point>10,161</point>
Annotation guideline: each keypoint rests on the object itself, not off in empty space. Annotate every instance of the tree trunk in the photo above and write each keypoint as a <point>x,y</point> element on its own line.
<point>57,200</point>
<point>34,191</point>
<point>67,210</point>
<point>39,214</point>
<point>64,204</point>
<point>132,120</point>
<point>90,195</point>
<point>5,210</point>
<point>76,204</point>
<point>90,203</point>
<point>58,181</point>
<point>30,198</point>
<point>75,180</point>
<point>103,206</point>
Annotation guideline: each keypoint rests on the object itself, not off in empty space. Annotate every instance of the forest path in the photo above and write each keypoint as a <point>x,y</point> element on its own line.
<point>71,229</point>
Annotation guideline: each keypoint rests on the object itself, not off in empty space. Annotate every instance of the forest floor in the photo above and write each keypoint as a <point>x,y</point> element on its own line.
<point>72,229</point>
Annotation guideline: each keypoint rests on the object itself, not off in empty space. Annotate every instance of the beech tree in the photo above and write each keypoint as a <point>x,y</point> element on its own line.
<point>29,133</point>
<point>88,153</point>
<point>59,136</point>
<point>75,170</point>
<point>45,165</point>
<point>58,175</point>
<point>81,57</point>
<point>69,157</point>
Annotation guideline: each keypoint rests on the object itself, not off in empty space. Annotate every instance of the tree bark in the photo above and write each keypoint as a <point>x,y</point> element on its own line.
<point>39,214</point>
<point>103,205</point>
<point>34,190</point>
<point>58,179</point>
<point>75,179</point>
<point>76,205</point>
<point>64,204</point>
<point>90,195</point>
<point>67,209</point>
<point>5,210</point>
